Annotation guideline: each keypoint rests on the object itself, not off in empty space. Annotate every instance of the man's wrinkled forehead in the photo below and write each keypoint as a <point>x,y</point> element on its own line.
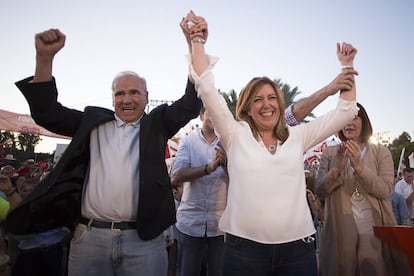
<point>131,78</point>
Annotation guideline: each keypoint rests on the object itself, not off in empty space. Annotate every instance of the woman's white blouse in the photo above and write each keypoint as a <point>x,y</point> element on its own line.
<point>267,193</point>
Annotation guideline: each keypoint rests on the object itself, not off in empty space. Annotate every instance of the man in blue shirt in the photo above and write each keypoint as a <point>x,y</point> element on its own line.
<point>400,209</point>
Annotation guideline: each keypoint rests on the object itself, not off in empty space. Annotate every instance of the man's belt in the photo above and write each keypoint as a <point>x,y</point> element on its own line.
<point>113,225</point>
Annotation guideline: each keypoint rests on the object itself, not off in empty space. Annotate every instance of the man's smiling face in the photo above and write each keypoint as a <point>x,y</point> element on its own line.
<point>129,98</point>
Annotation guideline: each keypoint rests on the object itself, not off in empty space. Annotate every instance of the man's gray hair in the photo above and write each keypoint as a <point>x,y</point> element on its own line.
<point>128,73</point>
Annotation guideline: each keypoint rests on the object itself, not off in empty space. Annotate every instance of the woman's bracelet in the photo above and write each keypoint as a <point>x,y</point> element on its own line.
<point>205,169</point>
<point>344,67</point>
<point>194,35</point>
<point>198,39</point>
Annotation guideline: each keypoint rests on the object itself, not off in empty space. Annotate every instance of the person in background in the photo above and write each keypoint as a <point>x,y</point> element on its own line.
<point>25,188</point>
<point>200,163</point>
<point>405,188</point>
<point>316,207</point>
<point>39,254</point>
<point>356,178</point>
<point>111,185</point>
<point>400,209</point>
<point>173,248</point>
<point>19,180</point>
<point>8,171</point>
<point>265,166</point>
<point>4,257</point>
<point>6,159</point>
<point>27,169</point>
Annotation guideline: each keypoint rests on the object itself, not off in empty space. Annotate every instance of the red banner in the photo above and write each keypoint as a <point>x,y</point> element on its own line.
<point>23,123</point>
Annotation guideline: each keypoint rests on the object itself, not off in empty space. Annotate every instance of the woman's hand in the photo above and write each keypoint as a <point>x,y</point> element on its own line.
<point>354,154</point>
<point>195,31</point>
<point>341,158</point>
<point>346,53</point>
<point>340,161</point>
<point>194,26</point>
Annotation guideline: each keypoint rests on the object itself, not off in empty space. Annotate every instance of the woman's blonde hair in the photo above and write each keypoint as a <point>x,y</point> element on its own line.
<point>280,131</point>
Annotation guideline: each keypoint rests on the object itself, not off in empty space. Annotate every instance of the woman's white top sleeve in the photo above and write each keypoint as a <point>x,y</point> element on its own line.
<point>266,199</point>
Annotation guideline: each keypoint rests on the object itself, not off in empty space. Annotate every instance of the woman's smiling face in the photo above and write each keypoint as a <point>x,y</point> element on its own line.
<point>264,109</point>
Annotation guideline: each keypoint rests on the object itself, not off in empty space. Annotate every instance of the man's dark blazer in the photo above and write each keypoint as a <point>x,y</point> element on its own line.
<point>56,200</point>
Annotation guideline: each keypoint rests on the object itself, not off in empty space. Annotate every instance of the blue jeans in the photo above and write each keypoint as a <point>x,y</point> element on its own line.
<point>246,257</point>
<point>101,252</point>
<point>193,251</point>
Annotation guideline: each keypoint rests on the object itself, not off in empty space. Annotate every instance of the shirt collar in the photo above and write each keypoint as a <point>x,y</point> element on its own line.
<point>200,133</point>
<point>120,123</point>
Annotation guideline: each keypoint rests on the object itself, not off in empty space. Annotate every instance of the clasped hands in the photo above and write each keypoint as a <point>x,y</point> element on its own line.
<point>220,159</point>
<point>349,150</point>
<point>194,26</point>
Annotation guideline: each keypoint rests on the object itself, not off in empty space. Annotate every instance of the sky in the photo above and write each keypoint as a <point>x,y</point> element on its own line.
<point>294,41</point>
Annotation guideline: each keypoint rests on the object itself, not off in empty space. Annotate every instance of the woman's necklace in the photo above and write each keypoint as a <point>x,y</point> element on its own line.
<point>271,147</point>
<point>356,195</point>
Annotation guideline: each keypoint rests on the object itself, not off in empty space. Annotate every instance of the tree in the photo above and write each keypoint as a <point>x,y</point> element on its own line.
<point>27,142</point>
<point>396,147</point>
<point>8,140</point>
<point>403,139</point>
<point>289,94</point>
<point>231,100</point>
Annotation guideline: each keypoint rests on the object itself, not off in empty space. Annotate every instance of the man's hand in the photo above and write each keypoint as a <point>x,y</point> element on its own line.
<point>221,154</point>
<point>219,160</point>
<point>48,43</point>
<point>344,81</point>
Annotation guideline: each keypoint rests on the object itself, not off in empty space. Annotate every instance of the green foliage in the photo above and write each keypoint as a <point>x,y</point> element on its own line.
<point>289,94</point>
<point>396,147</point>
<point>7,139</point>
<point>231,99</point>
<point>27,142</point>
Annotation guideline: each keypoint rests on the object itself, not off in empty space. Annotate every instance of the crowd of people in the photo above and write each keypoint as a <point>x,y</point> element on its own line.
<point>242,204</point>
<point>15,185</point>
